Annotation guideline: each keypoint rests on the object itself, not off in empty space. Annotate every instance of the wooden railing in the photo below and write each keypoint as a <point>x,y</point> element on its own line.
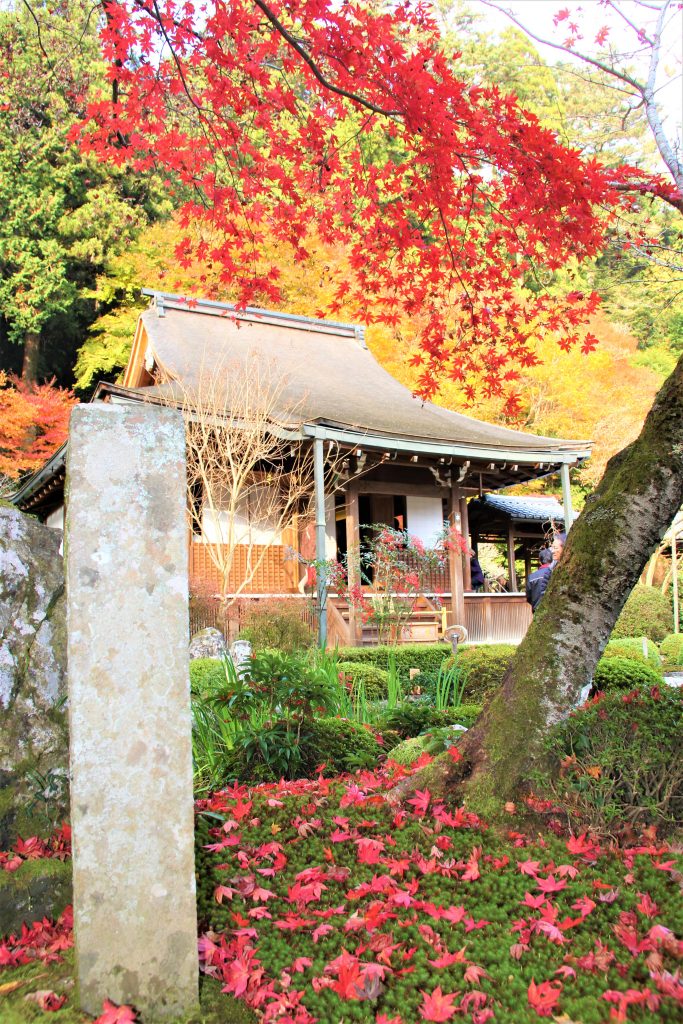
<point>496,618</point>
<point>338,630</point>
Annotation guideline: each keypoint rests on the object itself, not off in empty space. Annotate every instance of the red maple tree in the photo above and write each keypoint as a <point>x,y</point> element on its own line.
<point>34,421</point>
<point>350,119</point>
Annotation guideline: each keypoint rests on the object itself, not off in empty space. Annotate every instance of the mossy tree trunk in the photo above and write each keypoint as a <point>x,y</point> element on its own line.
<point>606,551</point>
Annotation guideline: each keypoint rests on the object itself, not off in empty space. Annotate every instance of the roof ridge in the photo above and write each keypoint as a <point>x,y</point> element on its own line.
<point>162,301</point>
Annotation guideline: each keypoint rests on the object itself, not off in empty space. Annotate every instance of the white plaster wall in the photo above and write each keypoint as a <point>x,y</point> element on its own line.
<point>248,526</point>
<point>425,518</point>
<point>56,519</point>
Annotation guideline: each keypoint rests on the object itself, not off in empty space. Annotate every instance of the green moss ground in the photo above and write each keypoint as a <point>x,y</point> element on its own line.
<point>215,1006</point>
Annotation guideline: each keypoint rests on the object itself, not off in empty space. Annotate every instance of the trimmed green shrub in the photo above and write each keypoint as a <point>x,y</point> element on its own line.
<point>671,650</point>
<point>374,678</point>
<point>207,676</point>
<point>426,657</point>
<point>647,612</point>
<point>484,664</point>
<point>620,759</point>
<point>413,717</point>
<point>624,674</point>
<point>433,742</point>
<point>632,647</point>
<point>483,669</point>
<point>343,746</point>
<point>276,625</point>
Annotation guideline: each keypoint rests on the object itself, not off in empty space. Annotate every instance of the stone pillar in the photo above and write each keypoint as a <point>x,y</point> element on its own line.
<point>129,710</point>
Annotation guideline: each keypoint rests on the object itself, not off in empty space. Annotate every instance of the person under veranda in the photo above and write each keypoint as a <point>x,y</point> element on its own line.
<point>537,582</point>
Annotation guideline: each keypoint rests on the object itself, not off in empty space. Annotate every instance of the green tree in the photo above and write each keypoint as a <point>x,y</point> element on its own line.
<point>64,212</point>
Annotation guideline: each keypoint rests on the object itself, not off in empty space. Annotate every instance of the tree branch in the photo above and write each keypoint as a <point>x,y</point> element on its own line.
<point>306,57</point>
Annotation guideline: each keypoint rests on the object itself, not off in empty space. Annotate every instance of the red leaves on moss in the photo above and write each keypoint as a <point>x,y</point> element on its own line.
<point>544,997</point>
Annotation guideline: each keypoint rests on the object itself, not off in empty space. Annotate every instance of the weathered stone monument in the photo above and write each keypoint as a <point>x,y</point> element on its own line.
<point>129,710</point>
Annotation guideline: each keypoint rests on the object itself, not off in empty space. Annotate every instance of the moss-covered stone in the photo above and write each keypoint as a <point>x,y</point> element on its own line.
<point>33,728</point>
<point>38,889</point>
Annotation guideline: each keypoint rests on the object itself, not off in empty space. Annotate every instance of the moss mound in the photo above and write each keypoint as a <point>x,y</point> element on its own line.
<point>624,674</point>
<point>647,612</point>
<point>372,678</point>
<point>637,648</point>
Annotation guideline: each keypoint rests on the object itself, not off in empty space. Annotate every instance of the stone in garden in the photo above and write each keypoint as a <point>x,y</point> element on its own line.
<point>129,695</point>
<point>33,730</point>
<point>208,643</point>
<point>241,652</point>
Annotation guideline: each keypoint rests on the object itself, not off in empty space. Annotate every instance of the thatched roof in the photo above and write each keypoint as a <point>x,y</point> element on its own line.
<point>330,378</point>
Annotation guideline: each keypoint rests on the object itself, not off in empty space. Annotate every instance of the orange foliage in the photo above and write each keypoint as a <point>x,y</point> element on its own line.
<point>33,423</point>
<point>600,395</point>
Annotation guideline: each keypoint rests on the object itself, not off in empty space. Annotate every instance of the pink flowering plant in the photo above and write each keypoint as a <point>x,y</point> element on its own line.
<point>394,569</point>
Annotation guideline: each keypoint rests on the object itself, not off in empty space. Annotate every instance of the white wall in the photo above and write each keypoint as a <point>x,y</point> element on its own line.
<point>425,518</point>
<point>56,519</point>
<point>248,526</point>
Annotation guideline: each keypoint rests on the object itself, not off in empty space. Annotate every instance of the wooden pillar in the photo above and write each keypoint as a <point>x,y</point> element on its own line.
<point>465,530</point>
<point>353,552</point>
<point>455,573</point>
<point>527,561</point>
<point>512,573</point>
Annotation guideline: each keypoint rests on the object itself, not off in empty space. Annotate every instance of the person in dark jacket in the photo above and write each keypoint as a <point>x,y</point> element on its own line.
<point>476,571</point>
<point>538,581</point>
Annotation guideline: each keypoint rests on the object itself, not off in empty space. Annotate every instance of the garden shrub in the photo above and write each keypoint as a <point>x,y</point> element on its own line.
<point>340,744</point>
<point>671,650</point>
<point>647,612</point>
<point>483,669</point>
<point>624,674</point>
<point>413,717</point>
<point>271,703</point>
<point>433,742</point>
<point>207,676</point>
<point>484,664</point>
<point>276,625</point>
<point>621,758</point>
<point>425,657</point>
<point>373,678</point>
<point>632,647</point>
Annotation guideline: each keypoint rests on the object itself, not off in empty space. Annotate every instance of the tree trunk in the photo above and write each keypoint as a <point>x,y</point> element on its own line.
<point>29,372</point>
<point>606,551</point>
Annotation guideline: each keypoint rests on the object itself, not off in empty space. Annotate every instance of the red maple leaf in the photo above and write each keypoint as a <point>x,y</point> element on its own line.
<point>543,998</point>
<point>437,1006</point>
<point>113,1014</point>
<point>420,801</point>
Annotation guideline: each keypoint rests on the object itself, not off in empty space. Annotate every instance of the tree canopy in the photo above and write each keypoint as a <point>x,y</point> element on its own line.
<point>64,212</point>
<point>448,196</point>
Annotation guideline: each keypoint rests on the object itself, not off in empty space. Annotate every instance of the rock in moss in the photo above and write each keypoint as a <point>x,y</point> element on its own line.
<point>33,730</point>
<point>38,889</point>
